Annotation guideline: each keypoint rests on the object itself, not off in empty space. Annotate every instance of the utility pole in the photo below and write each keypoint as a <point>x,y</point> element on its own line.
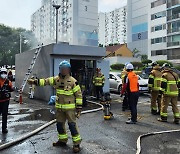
<point>57,8</point>
<point>20,43</point>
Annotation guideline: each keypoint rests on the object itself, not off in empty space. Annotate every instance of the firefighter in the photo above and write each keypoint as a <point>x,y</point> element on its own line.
<point>68,104</point>
<point>132,87</point>
<point>154,85</point>
<point>125,104</point>
<point>5,89</point>
<point>170,90</point>
<point>98,81</point>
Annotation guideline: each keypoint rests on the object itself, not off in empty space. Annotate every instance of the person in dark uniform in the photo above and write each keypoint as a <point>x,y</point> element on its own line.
<point>5,93</point>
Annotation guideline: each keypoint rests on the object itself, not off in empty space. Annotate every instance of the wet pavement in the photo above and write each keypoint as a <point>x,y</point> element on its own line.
<point>99,136</point>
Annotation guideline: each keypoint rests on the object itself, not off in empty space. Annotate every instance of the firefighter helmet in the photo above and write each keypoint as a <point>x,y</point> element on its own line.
<point>154,64</point>
<point>64,64</point>
<point>166,65</point>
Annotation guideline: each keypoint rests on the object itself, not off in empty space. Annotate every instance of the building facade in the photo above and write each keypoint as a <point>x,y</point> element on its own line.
<point>113,27</point>
<point>77,22</point>
<point>162,26</point>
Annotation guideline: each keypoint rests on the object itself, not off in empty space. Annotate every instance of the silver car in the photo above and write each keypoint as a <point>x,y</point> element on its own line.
<point>116,82</point>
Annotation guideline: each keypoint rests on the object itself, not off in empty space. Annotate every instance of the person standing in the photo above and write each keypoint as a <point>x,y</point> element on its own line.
<point>125,104</point>
<point>68,104</point>
<point>5,93</point>
<point>154,85</point>
<point>132,87</point>
<point>98,81</point>
<point>170,89</point>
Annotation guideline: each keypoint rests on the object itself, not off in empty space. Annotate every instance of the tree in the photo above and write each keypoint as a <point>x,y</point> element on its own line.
<point>144,57</point>
<point>136,53</point>
<point>161,62</point>
<point>117,66</point>
<point>146,62</point>
<point>137,65</point>
<point>10,43</point>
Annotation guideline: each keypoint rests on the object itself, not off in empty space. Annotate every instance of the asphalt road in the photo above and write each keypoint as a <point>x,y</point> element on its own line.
<point>99,136</point>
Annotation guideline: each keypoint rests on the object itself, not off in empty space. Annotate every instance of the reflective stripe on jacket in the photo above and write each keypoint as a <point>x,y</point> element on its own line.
<point>68,91</point>
<point>169,83</point>
<point>155,79</point>
<point>99,79</point>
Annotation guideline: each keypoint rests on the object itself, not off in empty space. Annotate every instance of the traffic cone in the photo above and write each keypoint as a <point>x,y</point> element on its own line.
<point>20,96</point>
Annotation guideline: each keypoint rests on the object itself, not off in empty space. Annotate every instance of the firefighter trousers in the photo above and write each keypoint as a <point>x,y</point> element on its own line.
<point>155,101</point>
<point>164,106</point>
<point>4,112</point>
<point>70,116</point>
<point>99,92</point>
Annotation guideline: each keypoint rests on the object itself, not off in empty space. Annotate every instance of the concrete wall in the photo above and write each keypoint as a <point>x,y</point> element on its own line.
<point>42,69</point>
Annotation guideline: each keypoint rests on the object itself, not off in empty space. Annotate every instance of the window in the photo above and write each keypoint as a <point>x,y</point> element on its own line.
<point>158,15</point>
<point>158,40</point>
<point>158,3</point>
<point>158,52</point>
<point>157,28</point>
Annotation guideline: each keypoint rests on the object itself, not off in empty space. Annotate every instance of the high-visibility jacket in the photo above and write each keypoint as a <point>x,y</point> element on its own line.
<point>99,79</point>
<point>131,83</point>
<point>68,91</point>
<point>123,74</point>
<point>169,84</point>
<point>155,78</point>
<point>5,89</point>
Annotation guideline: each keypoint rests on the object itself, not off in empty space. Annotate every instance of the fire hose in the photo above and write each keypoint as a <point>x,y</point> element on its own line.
<point>30,134</point>
<point>150,134</point>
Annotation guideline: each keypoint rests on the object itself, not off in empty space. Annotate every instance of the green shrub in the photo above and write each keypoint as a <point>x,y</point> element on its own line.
<point>161,62</point>
<point>177,67</point>
<point>117,66</point>
<point>137,65</point>
<point>146,62</point>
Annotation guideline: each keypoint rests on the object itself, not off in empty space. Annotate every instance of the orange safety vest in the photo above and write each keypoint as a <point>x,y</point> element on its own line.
<point>133,82</point>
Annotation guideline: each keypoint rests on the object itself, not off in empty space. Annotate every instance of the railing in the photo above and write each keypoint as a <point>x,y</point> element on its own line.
<point>174,16</point>
<point>170,44</point>
<point>173,3</point>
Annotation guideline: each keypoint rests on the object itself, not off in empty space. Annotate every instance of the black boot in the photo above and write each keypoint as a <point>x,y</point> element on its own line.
<point>5,131</point>
<point>176,121</point>
<point>153,112</point>
<point>59,144</point>
<point>76,148</point>
<point>162,119</point>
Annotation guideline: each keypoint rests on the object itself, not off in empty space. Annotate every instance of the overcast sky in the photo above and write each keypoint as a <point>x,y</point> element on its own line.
<point>17,13</point>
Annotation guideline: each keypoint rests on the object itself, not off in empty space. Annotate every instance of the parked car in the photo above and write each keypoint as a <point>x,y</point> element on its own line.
<point>116,82</point>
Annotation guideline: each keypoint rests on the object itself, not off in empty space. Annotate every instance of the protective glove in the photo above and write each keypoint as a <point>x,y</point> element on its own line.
<point>30,81</point>
<point>78,112</point>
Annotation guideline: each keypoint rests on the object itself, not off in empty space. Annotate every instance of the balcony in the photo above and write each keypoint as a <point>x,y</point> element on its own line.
<point>173,3</point>
<point>173,17</point>
<point>170,44</point>
<point>174,30</point>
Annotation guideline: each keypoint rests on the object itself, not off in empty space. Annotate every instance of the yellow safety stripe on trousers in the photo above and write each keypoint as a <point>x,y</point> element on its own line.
<point>164,114</point>
<point>151,76</point>
<point>76,138</point>
<point>98,84</point>
<point>177,115</point>
<point>78,101</point>
<point>150,85</point>
<point>65,106</point>
<point>154,108</point>
<point>51,81</point>
<point>76,88</point>
<point>41,82</point>
<point>64,92</point>
<point>62,136</point>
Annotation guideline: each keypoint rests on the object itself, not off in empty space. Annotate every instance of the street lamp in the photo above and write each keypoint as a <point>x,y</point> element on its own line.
<point>57,8</point>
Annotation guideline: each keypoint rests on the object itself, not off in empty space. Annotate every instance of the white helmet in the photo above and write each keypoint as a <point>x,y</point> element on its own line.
<point>129,67</point>
<point>3,69</point>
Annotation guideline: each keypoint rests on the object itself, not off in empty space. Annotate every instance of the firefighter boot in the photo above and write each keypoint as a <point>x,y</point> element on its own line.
<point>76,148</point>
<point>59,144</point>
<point>162,119</point>
<point>176,121</point>
<point>154,112</point>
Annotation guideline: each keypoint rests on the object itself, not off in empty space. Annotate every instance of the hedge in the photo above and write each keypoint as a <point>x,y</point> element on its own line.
<point>117,66</point>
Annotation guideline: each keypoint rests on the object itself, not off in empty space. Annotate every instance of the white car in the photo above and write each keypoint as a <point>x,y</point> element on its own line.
<point>116,82</point>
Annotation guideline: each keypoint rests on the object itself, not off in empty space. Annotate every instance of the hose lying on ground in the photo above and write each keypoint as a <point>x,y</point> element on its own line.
<point>149,134</point>
<point>11,143</point>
